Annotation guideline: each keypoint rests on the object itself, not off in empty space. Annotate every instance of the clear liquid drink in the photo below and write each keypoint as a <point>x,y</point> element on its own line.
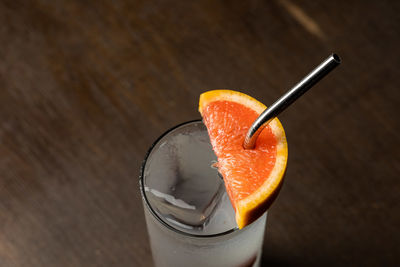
<point>189,217</point>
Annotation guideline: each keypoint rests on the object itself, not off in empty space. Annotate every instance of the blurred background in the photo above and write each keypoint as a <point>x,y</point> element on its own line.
<point>87,86</point>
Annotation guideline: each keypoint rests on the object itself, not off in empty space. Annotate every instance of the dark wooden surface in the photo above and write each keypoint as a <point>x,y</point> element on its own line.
<point>87,86</point>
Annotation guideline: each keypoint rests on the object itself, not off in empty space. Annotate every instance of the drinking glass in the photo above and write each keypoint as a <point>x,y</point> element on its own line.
<point>189,217</point>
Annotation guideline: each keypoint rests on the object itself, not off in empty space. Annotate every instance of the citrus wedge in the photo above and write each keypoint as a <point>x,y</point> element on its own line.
<point>252,177</point>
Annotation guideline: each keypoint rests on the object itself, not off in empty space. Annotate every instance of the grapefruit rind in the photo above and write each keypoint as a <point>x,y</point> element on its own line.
<point>250,208</point>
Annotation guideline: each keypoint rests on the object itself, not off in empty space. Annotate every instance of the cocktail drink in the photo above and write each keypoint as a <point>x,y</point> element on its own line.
<point>190,219</point>
<point>205,195</point>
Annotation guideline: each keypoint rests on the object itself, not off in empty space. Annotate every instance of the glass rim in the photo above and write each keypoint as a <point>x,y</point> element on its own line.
<point>146,201</point>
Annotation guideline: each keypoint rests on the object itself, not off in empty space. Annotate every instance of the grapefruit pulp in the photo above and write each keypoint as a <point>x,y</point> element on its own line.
<point>252,177</point>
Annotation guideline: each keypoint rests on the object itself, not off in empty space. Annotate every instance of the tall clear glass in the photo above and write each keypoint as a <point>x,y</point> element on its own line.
<point>189,217</point>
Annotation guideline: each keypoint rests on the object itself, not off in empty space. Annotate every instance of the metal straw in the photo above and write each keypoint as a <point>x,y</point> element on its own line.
<point>287,99</point>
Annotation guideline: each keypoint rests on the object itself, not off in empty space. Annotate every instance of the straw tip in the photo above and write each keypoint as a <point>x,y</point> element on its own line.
<point>336,58</point>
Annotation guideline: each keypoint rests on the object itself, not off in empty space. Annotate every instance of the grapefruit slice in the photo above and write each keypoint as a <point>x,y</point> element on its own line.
<point>252,177</point>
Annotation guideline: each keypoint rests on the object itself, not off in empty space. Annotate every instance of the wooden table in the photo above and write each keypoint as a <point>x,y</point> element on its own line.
<point>87,86</point>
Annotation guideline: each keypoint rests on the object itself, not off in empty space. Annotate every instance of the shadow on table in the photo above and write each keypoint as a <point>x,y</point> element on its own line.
<point>272,260</point>
<point>268,261</point>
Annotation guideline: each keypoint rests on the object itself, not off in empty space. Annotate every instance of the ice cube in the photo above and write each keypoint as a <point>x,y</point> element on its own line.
<point>182,186</point>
